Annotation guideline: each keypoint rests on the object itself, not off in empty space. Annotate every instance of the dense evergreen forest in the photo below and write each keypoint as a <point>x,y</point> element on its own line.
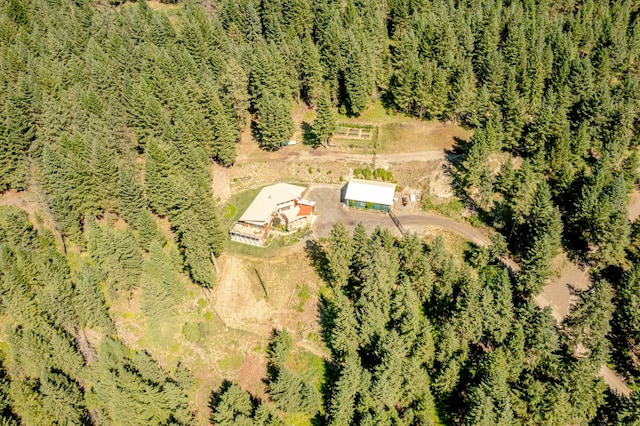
<point>418,337</point>
<point>111,114</point>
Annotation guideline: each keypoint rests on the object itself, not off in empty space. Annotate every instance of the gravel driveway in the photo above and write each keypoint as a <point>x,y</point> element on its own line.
<point>330,210</point>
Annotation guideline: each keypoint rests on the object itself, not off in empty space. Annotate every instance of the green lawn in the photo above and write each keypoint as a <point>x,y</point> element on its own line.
<point>229,211</point>
<point>238,203</point>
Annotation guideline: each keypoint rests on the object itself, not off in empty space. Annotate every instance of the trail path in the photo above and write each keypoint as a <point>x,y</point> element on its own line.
<point>633,208</point>
<point>323,155</point>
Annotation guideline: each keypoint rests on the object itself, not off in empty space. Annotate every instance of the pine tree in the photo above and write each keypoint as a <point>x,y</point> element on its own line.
<point>89,302</point>
<point>587,325</point>
<point>161,289</point>
<point>147,230</point>
<point>342,404</point>
<point>356,75</point>
<point>339,254</point>
<point>235,86</point>
<point>324,125</point>
<point>130,191</point>
<point>273,122</point>
<point>156,176</point>
<point>253,26</point>
<point>63,399</point>
<point>232,406</point>
<point>225,135</point>
<point>343,339</point>
<point>310,72</point>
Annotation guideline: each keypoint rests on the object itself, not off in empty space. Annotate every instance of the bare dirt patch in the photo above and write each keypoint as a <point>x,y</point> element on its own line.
<point>633,208</point>
<point>220,184</point>
<point>22,200</point>
<point>252,372</point>
<point>440,184</point>
<point>560,294</point>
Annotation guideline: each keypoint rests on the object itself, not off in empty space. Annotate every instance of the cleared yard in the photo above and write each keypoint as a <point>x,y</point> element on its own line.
<point>417,136</point>
<point>330,210</point>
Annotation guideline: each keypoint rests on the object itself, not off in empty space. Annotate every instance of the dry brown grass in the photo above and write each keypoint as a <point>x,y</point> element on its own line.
<point>418,136</point>
<point>239,317</point>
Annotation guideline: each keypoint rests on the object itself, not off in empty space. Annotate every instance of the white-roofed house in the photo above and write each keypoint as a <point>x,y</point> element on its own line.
<point>370,195</point>
<point>281,199</point>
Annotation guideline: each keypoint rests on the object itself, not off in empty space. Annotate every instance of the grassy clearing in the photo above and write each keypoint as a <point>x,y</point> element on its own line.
<point>408,137</point>
<point>229,211</point>
<point>274,248</point>
<point>454,243</point>
<point>375,113</point>
<point>169,9</point>
<point>165,7</point>
<point>395,132</point>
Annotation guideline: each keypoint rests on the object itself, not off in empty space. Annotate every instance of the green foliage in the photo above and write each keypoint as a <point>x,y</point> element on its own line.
<point>233,406</point>
<point>377,174</point>
<point>324,125</point>
<point>131,388</point>
<point>273,121</point>
<point>116,254</point>
<point>162,289</point>
<point>91,96</point>
<point>89,301</point>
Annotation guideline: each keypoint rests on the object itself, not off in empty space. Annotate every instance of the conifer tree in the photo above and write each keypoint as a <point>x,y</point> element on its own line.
<point>89,302</point>
<point>225,135</point>
<point>235,86</point>
<point>339,254</point>
<point>130,196</point>
<point>324,125</point>
<point>356,75</point>
<point>273,121</point>
<point>310,72</point>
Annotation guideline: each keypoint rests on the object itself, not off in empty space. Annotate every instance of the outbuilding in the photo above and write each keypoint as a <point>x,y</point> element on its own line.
<point>370,195</point>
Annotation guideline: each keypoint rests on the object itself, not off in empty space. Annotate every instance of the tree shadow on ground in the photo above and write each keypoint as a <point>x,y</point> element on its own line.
<point>308,136</point>
<point>317,259</point>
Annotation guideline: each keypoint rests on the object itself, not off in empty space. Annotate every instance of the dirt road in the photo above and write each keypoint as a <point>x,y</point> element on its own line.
<point>558,295</point>
<point>328,155</point>
<point>324,154</point>
<point>615,382</point>
<point>633,208</point>
<point>418,222</point>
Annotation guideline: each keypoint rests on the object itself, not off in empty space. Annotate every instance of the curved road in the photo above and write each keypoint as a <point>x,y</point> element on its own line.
<point>556,295</point>
<point>331,211</point>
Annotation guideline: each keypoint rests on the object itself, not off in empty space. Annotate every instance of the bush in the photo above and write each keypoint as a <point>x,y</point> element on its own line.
<point>378,173</point>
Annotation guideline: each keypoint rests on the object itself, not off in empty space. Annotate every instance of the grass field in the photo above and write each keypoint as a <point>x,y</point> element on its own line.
<point>400,133</point>
<point>222,333</point>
